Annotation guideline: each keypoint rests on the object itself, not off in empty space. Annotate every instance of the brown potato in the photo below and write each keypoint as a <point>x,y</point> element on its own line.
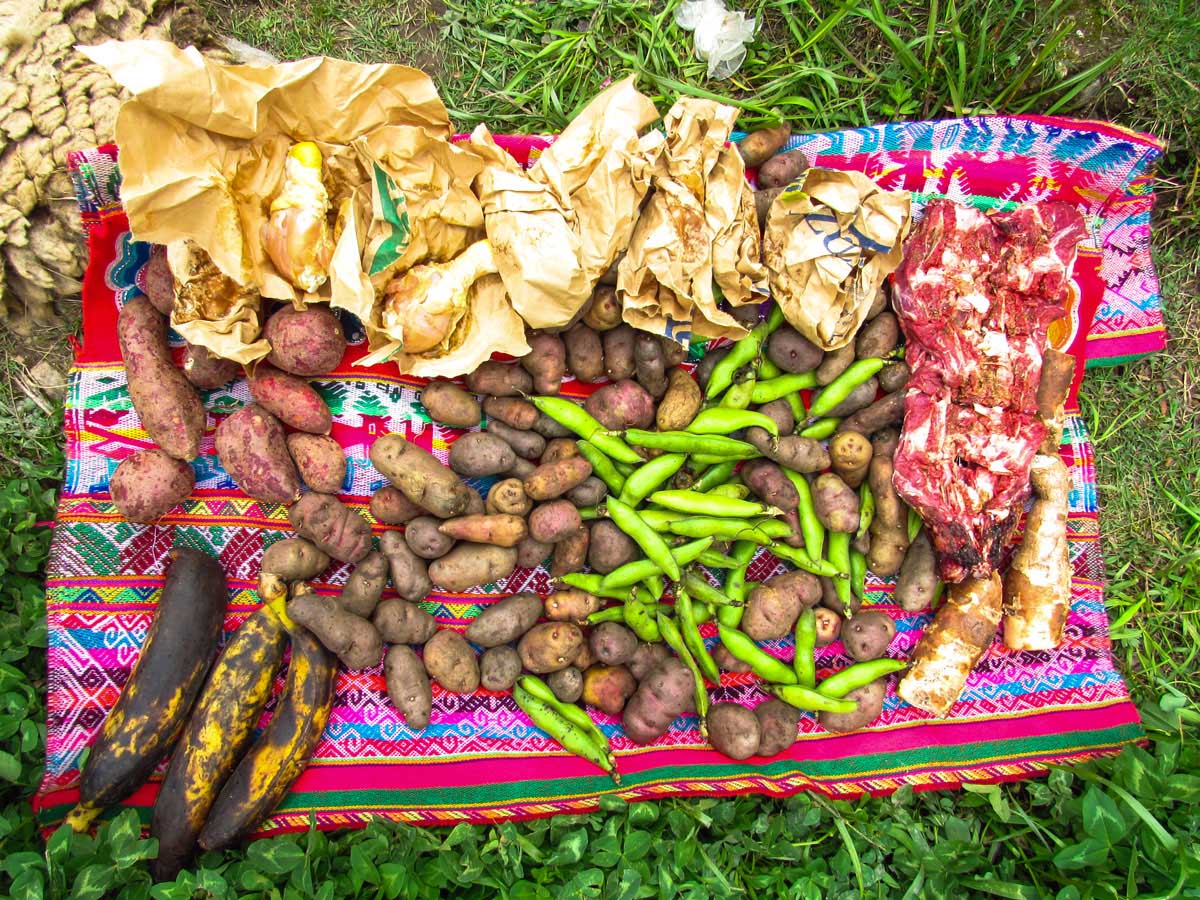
<point>589,493</point>
<point>149,484</point>
<point>408,685</point>
<point>559,448</point>
<point>780,412</point>
<point>420,476</point>
<point>884,442</point>
<point>402,622</point>
<point>681,402</point>
<point>167,405</point>
<point>707,363</point>
<point>650,364</point>
<point>870,704</point>
<point>449,404</point>
<point>792,351</point>
<point>850,456</point>
<point>829,623</point>
<point>759,146</point>
<point>674,353</point>
<point>889,528</point>
<point>777,726</point>
<point>479,454</point>
<point>879,304</point>
<point>868,634</point>
<point>613,643</point>
<point>390,506</point>
<point>499,668</point>
<point>410,577</point>
<point>859,398</point>
<point>552,522</point>
<point>727,662</point>
<point>733,730</point>
<point>604,312</point>
<point>768,482</point>
<point>763,200</point>
<point>610,547</point>
<point>782,169</point>
<point>252,448</point>
<point>887,410</point>
<point>504,621</point>
<point>894,376</point>
<point>567,684</point>
<point>835,363</point>
<point>205,370</point>
<point>305,342</point>
<point>585,352</point>
<point>525,444</point>
<point>472,565</point>
<point>571,605</point>
<point>546,361</point>
<point>570,554</point>
<point>320,460</point>
<point>499,380</point>
<point>291,399</point>
<point>835,504</point>
<point>549,429</point>
<point>293,559</point>
<point>501,529</point>
<point>549,647</point>
<point>354,640</point>
<point>800,454</point>
<point>512,411</point>
<point>360,595</point>
<point>878,337</point>
<point>508,497</point>
<point>773,607</point>
<point>424,538</point>
<point>332,526</point>
<point>618,352</point>
<point>451,662</point>
<point>532,553</point>
<point>647,657</point>
<point>608,688</point>
<point>585,658</point>
<point>918,575</point>
<point>623,404</point>
<point>553,479</point>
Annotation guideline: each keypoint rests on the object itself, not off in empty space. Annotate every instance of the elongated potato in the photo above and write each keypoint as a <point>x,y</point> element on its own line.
<point>420,476</point>
<point>650,364</point>
<point>570,553</point>
<point>291,399</point>
<point>167,405</point>
<point>410,577</point>
<point>471,565</point>
<point>835,504</point>
<point>512,411</point>
<point>505,621</point>
<point>525,444</point>
<point>571,605</point>
<point>451,662</point>
<point>554,479</point>
<point>149,484</point>
<point>501,530</point>
<point>354,640</point>
<point>364,587</point>
<point>499,379</point>
<point>585,353</point>
<point>680,403</point>
<point>252,448</point>
<point>408,685</point>
<point>918,575</point>
<point>835,363</point>
<point>618,352</point>
<point>400,621</point>
<point>293,559</point>
<point>759,146</point>
<point>320,460</point>
<point>449,404</point>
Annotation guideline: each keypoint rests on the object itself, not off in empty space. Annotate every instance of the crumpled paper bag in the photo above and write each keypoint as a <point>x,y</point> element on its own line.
<point>203,146</point>
<point>213,309</point>
<point>556,228</point>
<point>697,227</point>
<point>831,240</point>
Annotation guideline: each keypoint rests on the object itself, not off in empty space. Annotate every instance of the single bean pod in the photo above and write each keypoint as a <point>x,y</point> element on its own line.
<point>839,558</point>
<point>720,420</point>
<point>590,582</point>
<point>602,466</point>
<point>660,519</point>
<point>735,584</point>
<point>761,663</point>
<point>702,590</point>
<point>820,429</point>
<point>651,542</point>
<point>711,504</point>
<point>714,475</point>
<point>807,698</point>
<point>774,388</point>
<point>705,445</point>
<point>569,711</point>
<point>858,675</point>
<point>714,560</point>
<point>761,531</point>
<point>691,636</point>
<point>811,528</point>
<point>654,586</point>
<point>633,572</point>
<point>858,574</point>
<point>839,389</point>
<point>573,738</point>
<point>805,661</point>
<point>577,419</point>
<point>801,560</point>
<point>641,622</point>
<point>866,510</point>
<point>670,634</point>
<point>588,513</point>
<point>767,369</point>
<point>914,524</point>
<point>611,614</point>
<point>703,459</point>
<point>730,489</point>
<point>738,395</point>
<point>741,353</point>
<point>649,476</point>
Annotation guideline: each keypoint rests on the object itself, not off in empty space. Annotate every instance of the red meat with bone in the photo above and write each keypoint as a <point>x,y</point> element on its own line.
<point>975,295</point>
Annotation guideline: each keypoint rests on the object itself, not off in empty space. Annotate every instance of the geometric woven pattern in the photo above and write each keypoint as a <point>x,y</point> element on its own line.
<point>480,759</point>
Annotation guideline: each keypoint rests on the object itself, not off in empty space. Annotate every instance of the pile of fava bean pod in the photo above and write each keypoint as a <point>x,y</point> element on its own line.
<point>712,494</point>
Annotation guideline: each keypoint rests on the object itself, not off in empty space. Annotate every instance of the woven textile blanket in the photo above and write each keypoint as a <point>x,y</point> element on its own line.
<point>480,759</point>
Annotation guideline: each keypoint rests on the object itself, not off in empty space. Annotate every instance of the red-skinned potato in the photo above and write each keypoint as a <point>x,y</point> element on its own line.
<point>552,522</point>
<point>291,399</point>
<point>252,448</point>
<point>149,484</point>
<point>205,369</point>
<point>623,404</point>
<point>320,460</point>
<point>773,607</point>
<point>305,342</point>
<point>666,692</point>
<point>585,352</point>
<point>608,688</point>
<point>512,411</point>
<point>390,506</point>
<point>449,404</point>
<point>570,554</point>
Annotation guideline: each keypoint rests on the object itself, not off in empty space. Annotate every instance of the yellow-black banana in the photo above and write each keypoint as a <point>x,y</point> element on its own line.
<point>272,765</point>
<point>154,703</point>
<point>220,729</point>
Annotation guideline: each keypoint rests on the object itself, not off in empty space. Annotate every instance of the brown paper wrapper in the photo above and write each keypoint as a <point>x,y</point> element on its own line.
<point>831,240</point>
<point>697,228</point>
<point>211,309</point>
<point>556,228</point>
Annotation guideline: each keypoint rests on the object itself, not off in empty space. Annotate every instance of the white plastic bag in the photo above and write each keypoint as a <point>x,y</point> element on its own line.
<point>721,35</point>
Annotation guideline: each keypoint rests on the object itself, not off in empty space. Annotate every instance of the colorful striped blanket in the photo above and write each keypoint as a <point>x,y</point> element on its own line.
<point>480,759</point>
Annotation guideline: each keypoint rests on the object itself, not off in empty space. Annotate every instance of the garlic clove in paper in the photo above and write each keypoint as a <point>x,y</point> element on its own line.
<point>297,236</point>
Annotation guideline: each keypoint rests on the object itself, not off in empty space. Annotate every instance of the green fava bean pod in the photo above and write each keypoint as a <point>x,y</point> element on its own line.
<point>691,636</point>
<point>839,389</point>
<point>811,528</point>
<point>590,582</point>
<point>767,369</point>
<point>741,353</point>
<point>839,558</point>
<point>670,633</point>
<point>851,678</point>
<point>774,388</point>
<point>761,663</point>
<point>577,419</point>
<point>602,466</point>
<point>866,510</point>
<point>641,623</point>
<point>806,698</point>
<point>572,713</point>
<point>732,489</point>
<point>805,662</point>
<point>802,560</point>
<point>573,738</point>
<point>820,429</point>
<point>711,504</point>
<point>651,542</point>
<point>702,590</point>
<point>700,445</point>
<point>654,586</point>
<point>914,524</point>
<point>761,531</point>
<point>647,477</point>
<point>588,513</point>
<point>735,584</point>
<point>714,560</point>
<point>714,476</point>
<point>611,614</point>
<point>858,574</point>
<point>738,395</point>
<point>721,420</point>
<point>661,519</point>
<point>633,572</point>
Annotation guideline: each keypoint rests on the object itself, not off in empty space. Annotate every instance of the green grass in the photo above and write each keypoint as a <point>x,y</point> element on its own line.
<point>1121,827</point>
